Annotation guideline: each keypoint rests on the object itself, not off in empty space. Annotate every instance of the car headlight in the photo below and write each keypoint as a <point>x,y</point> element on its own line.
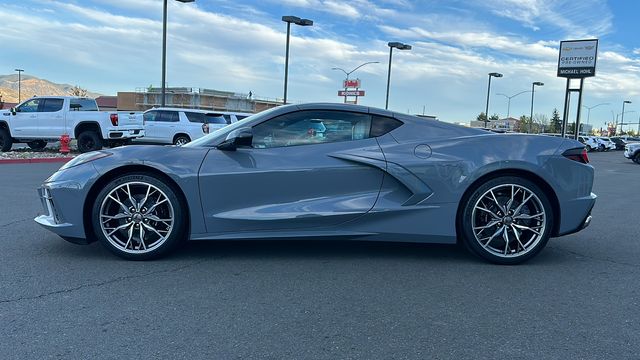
<point>85,158</point>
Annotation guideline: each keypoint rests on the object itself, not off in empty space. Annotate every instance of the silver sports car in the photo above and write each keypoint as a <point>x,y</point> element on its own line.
<point>327,171</point>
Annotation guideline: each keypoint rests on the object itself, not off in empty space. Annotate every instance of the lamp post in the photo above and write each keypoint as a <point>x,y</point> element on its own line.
<point>486,110</point>
<point>593,107</point>
<point>347,73</point>
<point>392,45</point>
<point>164,48</point>
<point>622,113</point>
<point>19,83</point>
<point>511,97</point>
<point>533,91</point>
<point>298,21</point>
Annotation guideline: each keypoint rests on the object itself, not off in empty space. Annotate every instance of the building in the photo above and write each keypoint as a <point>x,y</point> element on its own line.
<point>107,103</point>
<point>507,124</point>
<point>195,98</point>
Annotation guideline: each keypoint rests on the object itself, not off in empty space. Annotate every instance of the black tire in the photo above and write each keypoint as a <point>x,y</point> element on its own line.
<point>636,158</point>
<point>589,148</point>
<point>37,144</point>
<point>89,141</point>
<point>531,242</point>
<point>137,183</point>
<point>181,140</point>
<point>6,142</point>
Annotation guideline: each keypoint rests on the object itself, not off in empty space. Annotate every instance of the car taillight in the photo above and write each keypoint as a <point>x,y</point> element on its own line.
<point>577,154</point>
<point>114,119</point>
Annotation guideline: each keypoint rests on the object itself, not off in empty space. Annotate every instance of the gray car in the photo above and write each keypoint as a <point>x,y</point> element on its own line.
<point>327,171</point>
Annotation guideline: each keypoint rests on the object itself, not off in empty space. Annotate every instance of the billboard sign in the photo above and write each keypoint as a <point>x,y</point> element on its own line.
<point>577,58</point>
<point>351,83</point>
<point>351,93</point>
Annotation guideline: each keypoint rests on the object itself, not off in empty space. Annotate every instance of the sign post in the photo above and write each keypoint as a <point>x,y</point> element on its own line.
<point>576,60</point>
<point>351,89</point>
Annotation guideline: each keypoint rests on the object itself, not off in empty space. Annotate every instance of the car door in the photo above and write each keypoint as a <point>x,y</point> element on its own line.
<point>149,119</point>
<point>166,126</point>
<point>25,121</point>
<point>51,120</point>
<point>308,169</point>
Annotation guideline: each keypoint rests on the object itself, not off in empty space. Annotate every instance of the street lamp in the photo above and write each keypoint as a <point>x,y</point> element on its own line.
<point>19,81</point>
<point>486,111</point>
<point>347,73</point>
<point>392,45</point>
<point>533,91</point>
<point>622,119</point>
<point>164,47</point>
<point>593,107</point>
<point>298,21</point>
<point>511,97</point>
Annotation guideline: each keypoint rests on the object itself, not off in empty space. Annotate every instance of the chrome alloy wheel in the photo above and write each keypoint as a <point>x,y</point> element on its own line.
<point>508,220</point>
<point>136,217</point>
<point>181,141</point>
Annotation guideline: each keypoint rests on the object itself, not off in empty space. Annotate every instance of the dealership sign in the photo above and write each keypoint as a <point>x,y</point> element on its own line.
<point>351,93</point>
<point>578,58</point>
<point>351,83</point>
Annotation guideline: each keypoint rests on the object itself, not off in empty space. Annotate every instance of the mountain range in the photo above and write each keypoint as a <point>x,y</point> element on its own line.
<point>30,86</point>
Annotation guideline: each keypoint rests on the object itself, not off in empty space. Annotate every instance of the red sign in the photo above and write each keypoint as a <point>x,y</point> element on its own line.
<point>351,93</point>
<point>351,83</point>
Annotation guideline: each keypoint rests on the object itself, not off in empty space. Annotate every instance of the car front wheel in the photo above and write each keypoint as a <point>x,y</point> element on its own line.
<point>507,220</point>
<point>636,158</point>
<point>138,217</point>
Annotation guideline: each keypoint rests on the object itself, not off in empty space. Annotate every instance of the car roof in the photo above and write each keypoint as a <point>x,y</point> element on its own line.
<point>203,111</point>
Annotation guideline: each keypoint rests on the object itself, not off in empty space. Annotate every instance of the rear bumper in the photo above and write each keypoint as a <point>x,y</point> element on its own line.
<point>125,133</point>
<point>576,215</point>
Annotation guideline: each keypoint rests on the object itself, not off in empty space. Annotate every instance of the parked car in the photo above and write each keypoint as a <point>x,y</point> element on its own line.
<point>370,174</point>
<point>607,143</point>
<point>39,120</point>
<point>179,126</point>
<point>591,143</point>
<point>620,143</point>
<point>632,151</point>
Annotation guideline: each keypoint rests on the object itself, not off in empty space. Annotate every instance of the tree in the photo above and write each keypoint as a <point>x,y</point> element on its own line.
<point>540,122</point>
<point>494,117</point>
<point>525,124</point>
<point>78,91</point>
<point>556,123</point>
<point>481,117</point>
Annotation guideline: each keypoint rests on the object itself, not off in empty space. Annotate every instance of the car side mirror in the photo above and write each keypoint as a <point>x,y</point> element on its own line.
<point>242,137</point>
<point>13,111</point>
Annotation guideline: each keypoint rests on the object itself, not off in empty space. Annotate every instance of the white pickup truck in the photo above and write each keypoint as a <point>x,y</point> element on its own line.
<point>41,119</point>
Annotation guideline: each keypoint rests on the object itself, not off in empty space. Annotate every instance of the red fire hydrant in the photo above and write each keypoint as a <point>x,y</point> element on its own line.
<point>64,143</point>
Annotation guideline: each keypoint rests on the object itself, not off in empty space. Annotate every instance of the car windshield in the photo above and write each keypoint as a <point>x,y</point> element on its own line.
<point>212,138</point>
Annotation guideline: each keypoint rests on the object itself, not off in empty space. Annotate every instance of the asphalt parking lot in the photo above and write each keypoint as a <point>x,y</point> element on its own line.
<point>580,298</point>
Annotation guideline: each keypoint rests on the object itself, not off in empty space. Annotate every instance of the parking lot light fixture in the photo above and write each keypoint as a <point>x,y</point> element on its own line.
<point>393,45</point>
<point>164,48</point>
<point>622,113</point>
<point>486,111</point>
<point>593,107</point>
<point>297,21</point>
<point>19,81</point>
<point>509,99</point>
<point>533,91</point>
<point>347,73</point>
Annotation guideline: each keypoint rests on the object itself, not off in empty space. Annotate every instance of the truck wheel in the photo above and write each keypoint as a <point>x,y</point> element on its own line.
<point>37,144</point>
<point>636,159</point>
<point>89,141</point>
<point>181,140</point>
<point>589,148</point>
<point>5,140</point>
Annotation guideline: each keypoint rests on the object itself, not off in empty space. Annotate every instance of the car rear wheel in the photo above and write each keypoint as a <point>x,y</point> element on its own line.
<point>89,141</point>
<point>636,158</point>
<point>37,144</point>
<point>181,140</point>
<point>138,217</point>
<point>5,140</point>
<point>507,220</point>
<point>589,148</point>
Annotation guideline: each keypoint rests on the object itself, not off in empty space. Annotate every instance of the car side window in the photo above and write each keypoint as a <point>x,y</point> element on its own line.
<point>227,118</point>
<point>195,117</point>
<point>381,125</point>
<point>213,118</point>
<point>30,106</point>
<point>311,127</point>
<point>83,105</point>
<point>167,116</point>
<point>150,116</point>
<point>51,105</point>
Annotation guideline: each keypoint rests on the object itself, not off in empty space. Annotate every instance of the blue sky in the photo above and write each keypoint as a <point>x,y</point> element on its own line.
<point>115,45</point>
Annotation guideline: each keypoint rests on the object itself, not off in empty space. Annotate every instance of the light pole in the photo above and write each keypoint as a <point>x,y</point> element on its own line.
<point>533,91</point>
<point>298,21</point>
<point>164,48</point>
<point>486,110</point>
<point>399,46</point>
<point>347,73</point>
<point>511,97</point>
<point>622,119</point>
<point>19,81</point>
<point>593,107</point>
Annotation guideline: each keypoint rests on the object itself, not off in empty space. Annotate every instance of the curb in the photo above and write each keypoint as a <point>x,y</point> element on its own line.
<point>35,160</point>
